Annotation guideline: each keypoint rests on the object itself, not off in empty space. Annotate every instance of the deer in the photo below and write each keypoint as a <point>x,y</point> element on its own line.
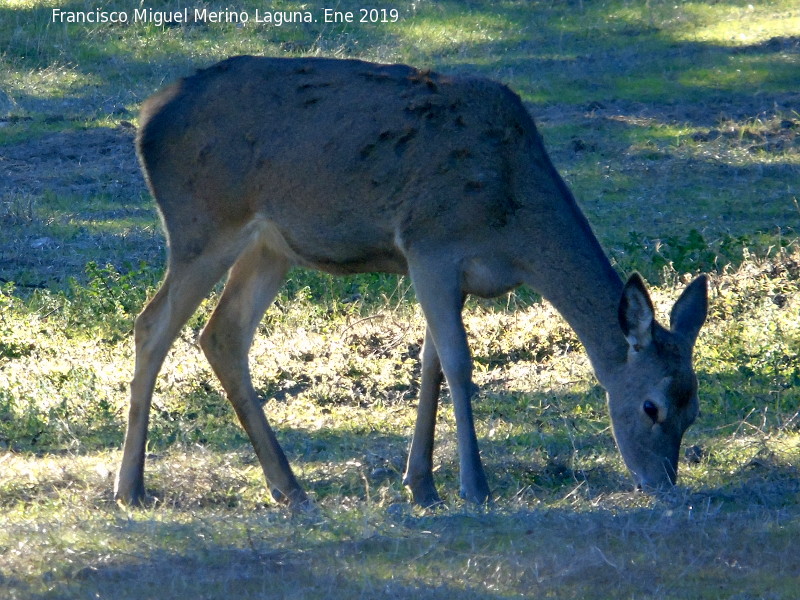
<point>260,164</point>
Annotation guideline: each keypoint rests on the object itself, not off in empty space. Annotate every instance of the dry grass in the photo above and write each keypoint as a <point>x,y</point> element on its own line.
<point>562,523</point>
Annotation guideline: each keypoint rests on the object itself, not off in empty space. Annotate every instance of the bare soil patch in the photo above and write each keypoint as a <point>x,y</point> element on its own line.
<point>69,197</point>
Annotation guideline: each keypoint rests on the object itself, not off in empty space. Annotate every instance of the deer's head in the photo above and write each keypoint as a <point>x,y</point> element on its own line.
<point>653,396</point>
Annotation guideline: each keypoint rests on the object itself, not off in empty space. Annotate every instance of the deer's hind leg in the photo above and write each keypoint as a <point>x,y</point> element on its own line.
<point>187,282</point>
<point>252,285</point>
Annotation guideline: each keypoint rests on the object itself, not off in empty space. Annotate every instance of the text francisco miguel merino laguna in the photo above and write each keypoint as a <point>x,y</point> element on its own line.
<point>186,15</point>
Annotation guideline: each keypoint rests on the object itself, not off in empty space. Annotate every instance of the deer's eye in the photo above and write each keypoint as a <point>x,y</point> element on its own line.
<point>651,410</point>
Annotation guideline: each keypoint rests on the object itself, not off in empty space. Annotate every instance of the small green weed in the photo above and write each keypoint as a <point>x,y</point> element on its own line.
<point>659,259</point>
<point>12,344</point>
<point>111,298</point>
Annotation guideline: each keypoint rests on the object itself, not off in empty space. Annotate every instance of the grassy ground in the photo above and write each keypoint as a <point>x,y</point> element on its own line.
<point>674,122</point>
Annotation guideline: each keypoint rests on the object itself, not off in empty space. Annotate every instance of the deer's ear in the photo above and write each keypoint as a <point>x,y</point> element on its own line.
<point>636,314</point>
<point>689,312</point>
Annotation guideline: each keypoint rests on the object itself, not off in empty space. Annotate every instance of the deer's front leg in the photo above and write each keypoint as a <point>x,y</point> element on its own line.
<point>439,293</point>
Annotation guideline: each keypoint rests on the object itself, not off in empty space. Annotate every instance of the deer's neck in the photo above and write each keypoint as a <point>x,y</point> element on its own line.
<point>568,267</point>
<point>588,299</point>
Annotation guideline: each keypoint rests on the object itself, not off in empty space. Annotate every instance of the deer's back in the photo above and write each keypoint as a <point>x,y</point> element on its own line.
<point>353,154</point>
